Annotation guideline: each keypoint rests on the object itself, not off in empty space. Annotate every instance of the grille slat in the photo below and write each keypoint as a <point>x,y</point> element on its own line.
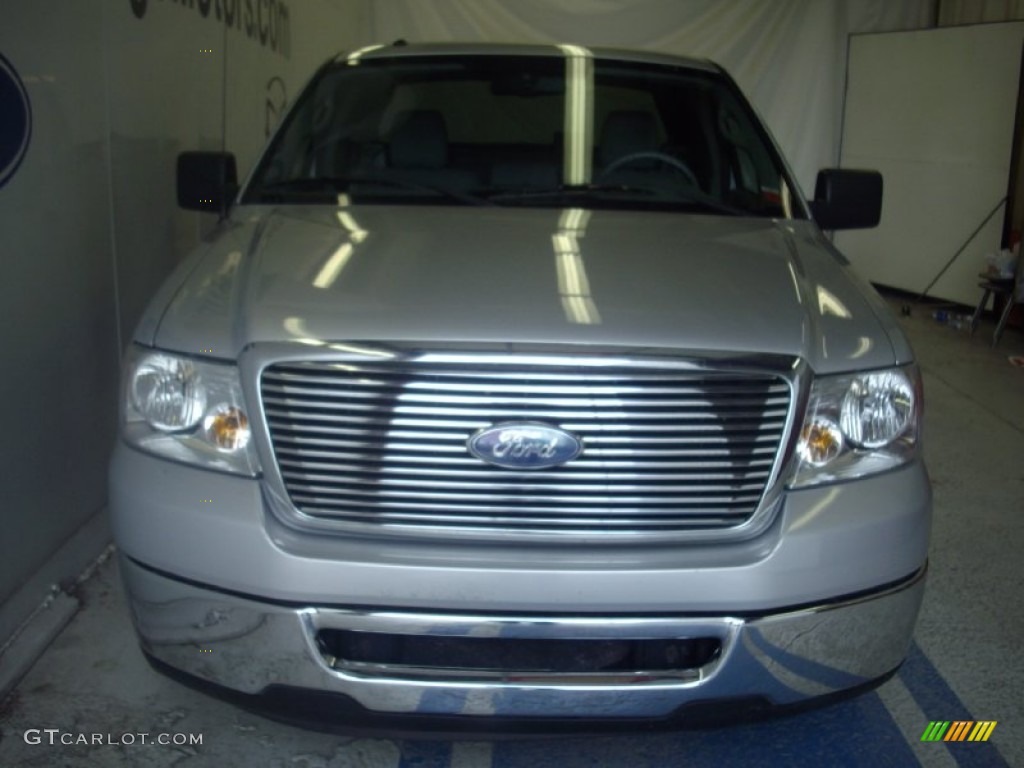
<point>527,520</point>
<point>309,459</point>
<point>519,376</point>
<point>498,502</point>
<point>384,444</point>
<point>722,415</point>
<point>297,470</point>
<point>313,420</point>
<point>619,493</point>
<point>555,513</point>
<point>456,443</point>
<point>468,396</point>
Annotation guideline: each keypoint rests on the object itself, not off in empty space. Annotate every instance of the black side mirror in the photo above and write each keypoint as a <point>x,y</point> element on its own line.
<point>207,181</point>
<point>847,199</point>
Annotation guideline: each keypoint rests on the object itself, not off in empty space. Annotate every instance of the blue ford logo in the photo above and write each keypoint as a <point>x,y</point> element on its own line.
<point>525,445</point>
<point>16,120</point>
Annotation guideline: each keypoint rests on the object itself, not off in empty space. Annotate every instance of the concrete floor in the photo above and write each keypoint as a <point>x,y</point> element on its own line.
<point>965,663</point>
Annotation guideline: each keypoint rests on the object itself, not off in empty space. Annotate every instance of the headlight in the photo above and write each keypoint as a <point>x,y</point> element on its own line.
<point>187,409</point>
<point>168,392</point>
<point>877,408</point>
<point>859,424</point>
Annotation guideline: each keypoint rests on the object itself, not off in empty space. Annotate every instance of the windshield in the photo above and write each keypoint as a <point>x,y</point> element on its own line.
<point>519,130</point>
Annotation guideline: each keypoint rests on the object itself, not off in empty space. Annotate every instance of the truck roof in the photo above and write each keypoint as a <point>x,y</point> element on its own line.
<point>402,48</point>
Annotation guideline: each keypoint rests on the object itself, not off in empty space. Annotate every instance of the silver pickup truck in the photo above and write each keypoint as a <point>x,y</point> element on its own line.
<point>518,388</point>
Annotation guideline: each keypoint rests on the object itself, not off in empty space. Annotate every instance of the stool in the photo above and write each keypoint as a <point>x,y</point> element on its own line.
<point>1005,287</point>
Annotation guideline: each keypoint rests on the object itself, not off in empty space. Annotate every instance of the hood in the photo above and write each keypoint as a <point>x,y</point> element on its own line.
<point>456,274</point>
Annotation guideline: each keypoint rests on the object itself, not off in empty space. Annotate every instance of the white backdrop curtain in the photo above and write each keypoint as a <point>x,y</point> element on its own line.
<point>953,12</point>
<point>788,56</point>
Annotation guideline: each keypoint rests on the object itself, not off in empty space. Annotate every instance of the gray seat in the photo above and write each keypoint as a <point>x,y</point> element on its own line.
<point>418,153</point>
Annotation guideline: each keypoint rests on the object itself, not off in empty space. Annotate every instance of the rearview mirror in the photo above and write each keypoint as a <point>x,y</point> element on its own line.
<point>207,181</point>
<point>845,199</point>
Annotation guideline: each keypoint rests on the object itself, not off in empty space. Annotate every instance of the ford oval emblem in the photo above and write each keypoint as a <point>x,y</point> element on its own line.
<point>525,445</point>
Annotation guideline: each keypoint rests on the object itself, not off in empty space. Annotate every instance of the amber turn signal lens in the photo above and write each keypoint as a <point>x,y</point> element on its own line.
<point>820,442</point>
<point>227,428</point>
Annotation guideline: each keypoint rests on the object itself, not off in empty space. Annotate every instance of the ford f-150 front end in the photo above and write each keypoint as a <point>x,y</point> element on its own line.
<point>520,384</point>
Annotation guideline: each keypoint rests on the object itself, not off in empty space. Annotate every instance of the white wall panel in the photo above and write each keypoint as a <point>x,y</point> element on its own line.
<point>933,110</point>
<point>57,322</point>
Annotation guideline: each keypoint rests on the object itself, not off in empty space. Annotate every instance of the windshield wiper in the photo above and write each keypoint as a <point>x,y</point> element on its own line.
<point>319,186</point>
<point>574,192</point>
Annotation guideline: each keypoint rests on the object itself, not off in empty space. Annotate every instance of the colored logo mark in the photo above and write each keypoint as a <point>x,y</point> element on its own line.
<point>16,125</point>
<point>525,445</point>
<point>959,730</point>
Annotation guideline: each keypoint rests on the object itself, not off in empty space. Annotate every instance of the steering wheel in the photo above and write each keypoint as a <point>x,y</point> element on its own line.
<point>661,157</point>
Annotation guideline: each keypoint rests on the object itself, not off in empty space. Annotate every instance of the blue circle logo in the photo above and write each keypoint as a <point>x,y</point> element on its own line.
<point>524,445</point>
<point>15,120</point>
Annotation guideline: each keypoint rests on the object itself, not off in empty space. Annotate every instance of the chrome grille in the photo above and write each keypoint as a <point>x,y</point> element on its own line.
<point>384,444</point>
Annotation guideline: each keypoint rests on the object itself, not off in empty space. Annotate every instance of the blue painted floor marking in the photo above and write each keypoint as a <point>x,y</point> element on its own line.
<point>426,754</point>
<point>859,732</point>
<point>939,702</point>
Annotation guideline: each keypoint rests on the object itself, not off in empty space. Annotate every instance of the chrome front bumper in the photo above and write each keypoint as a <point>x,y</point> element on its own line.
<point>249,647</point>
